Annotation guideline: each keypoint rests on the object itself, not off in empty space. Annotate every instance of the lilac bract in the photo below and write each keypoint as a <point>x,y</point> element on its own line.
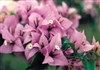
<point>38,27</point>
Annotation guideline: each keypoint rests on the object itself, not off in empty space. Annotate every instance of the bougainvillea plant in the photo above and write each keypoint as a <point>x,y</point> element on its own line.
<point>45,35</point>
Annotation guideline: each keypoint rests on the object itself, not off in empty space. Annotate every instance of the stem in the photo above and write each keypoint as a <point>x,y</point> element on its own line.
<point>74,57</point>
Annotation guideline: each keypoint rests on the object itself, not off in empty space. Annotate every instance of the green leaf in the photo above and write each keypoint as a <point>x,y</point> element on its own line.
<point>66,44</point>
<point>80,55</point>
<point>91,55</point>
<point>89,64</point>
<point>65,40</point>
<point>73,47</point>
<point>97,9</point>
<point>12,13</point>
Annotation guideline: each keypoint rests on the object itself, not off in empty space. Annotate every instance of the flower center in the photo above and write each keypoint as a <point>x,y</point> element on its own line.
<point>10,43</point>
<point>51,21</point>
<point>57,47</point>
<point>30,46</point>
<point>5,43</point>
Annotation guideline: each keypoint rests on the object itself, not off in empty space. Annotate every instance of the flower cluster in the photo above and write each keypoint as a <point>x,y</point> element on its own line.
<point>37,27</point>
<point>89,6</point>
<point>65,11</point>
<point>92,7</point>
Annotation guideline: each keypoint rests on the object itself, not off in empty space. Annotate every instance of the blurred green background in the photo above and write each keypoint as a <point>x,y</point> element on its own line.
<point>90,27</point>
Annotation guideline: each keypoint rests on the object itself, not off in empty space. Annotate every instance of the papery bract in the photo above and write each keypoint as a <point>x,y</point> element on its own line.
<point>53,54</point>
<point>81,44</point>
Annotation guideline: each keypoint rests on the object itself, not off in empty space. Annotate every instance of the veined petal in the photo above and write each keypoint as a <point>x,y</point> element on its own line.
<point>44,10</point>
<point>49,17</point>
<point>35,19</point>
<point>11,20</point>
<point>55,31</point>
<point>59,59</point>
<point>86,48</point>
<point>43,40</point>
<point>44,31</point>
<point>56,40</point>
<point>30,53</point>
<point>47,58</point>
<point>18,47</point>
<point>27,28</point>
<point>63,9</point>
<point>6,34</point>
<point>27,39</point>
<point>65,23</point>
<point>6,48</point>
<point>35,37</point>
<point>93,40</point>
<point>18,29</point>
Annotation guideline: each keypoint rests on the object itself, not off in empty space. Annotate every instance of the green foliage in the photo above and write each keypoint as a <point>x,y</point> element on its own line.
<point>66,44</point>
<point>89,64</point>
<point>12,13</point>
<point>10,62</point>
<point>97,9</point>
<point>88,59</point>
